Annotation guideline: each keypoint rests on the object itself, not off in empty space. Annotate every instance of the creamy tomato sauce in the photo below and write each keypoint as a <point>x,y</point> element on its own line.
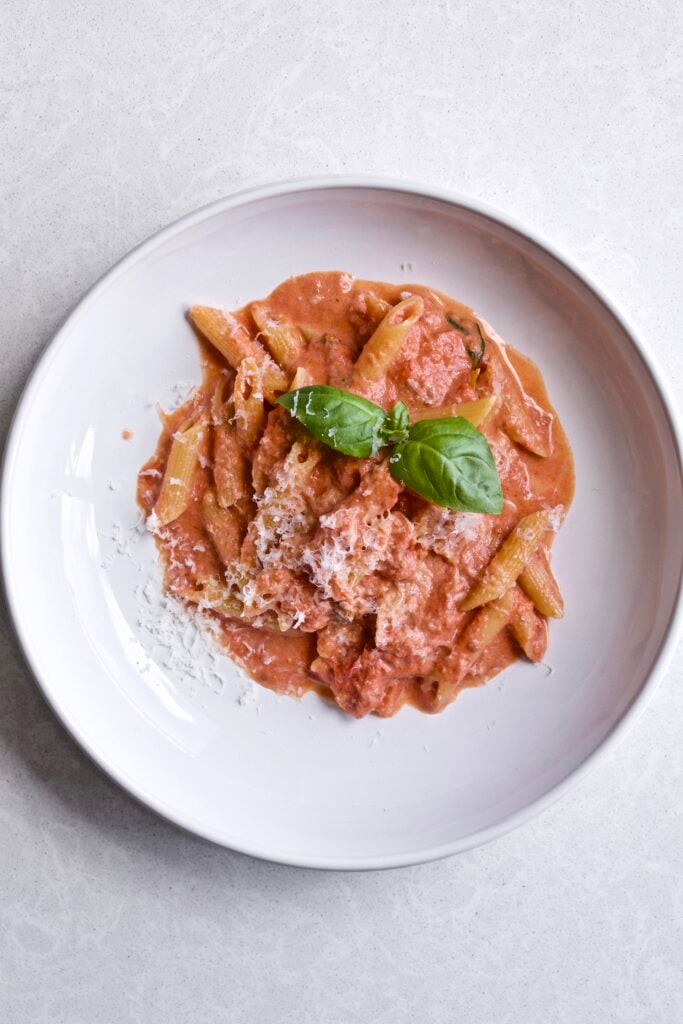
<point>348,583</point>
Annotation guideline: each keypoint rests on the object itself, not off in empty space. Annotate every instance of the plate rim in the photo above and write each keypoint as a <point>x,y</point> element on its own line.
<point>22,411</point>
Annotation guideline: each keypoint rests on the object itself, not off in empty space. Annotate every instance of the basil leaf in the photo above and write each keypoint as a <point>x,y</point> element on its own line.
<point>396,427</point>
<point>346,422</point>
<point>448,462</point>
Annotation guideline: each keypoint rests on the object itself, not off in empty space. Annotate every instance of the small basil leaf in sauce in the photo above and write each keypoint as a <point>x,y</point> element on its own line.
<point>454,323</point>
<point>448,462</point>
<point>348,423</point>
<point>396,427</point>
<point>476,355</point>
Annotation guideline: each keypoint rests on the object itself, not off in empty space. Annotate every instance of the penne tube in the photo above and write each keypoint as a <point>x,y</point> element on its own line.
<point>385,343</point>
<point>529,629</point>
<point>224,527</point>
<point>539,583</point>
<point>509,561</point>
<point>226,334</point>
<point>301,379</point>
<point>476,412</point>
<point>176,486</point>
<point>233,341</point>
<point>479,632</point>
<point>274,381</point>
<point>300,462</point>
<point>271,450</point>
<point>231,473</point>
<point>485,626</point>
<point>284,341</point>
<point>215,595</point>
<point>376,307</point>
<point>250,414</point>
<point>219,401</point>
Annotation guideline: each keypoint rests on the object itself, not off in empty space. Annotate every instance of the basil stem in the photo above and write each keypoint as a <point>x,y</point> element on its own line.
<point>396,426</point>
<point>454,323</point>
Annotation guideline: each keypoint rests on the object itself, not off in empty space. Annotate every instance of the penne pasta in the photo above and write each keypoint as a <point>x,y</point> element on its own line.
<point>250,414</point>
<point>272,449</point>
<point>283,340</point>
<point>509,561</point>
<point>176,486</point>
<point>376,307</point>
<point>485,626</point>
<point>301,379</point>
<point>476,412</point>
<point>216,596</point>
<point>233,341</point>
<point>539,583</point>
<point>528,628</point>
<point>385,343</point>
<point>299,463</point>
<point>224,527</point>
<point>226,334</point>
<point>480,631</point>
<point>231,471</point>
<point>219,401</point>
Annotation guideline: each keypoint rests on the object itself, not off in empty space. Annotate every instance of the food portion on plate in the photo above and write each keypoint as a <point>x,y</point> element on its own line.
<point>361,496</point>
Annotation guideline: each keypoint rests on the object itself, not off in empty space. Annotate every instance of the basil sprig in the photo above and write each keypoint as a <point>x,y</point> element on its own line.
<point>476,355</point>
<point>446,461</point>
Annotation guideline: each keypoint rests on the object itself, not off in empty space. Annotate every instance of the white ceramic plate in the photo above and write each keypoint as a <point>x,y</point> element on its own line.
<point>173,721</point>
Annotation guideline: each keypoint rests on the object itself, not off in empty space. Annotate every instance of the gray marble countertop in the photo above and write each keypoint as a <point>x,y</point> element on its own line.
<point>116,118</point>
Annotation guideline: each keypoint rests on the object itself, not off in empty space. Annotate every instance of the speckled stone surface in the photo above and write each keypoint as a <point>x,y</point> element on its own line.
<point>116,118</point>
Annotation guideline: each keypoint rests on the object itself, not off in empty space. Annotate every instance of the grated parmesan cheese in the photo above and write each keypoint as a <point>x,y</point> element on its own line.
<point>152,522</point>
<point>556,517</point>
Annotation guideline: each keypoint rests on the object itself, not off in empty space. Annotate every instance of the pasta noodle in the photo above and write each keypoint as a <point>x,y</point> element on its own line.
<point>213,595</point>
<point>301,379</point>
<point>537,580</point>
<point>386,342</point>
<point>477,411</point>
<point>224,528</point>
<point>376,307</point>
<point>234,343</point>
<point>509,561</point>
<point>176,487</point>
<point>284,341</point>
<point>528,628</point>
<point>477,636</point>
<point>227,334</point>
<point>250,413</point>
<point>230,467</point>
